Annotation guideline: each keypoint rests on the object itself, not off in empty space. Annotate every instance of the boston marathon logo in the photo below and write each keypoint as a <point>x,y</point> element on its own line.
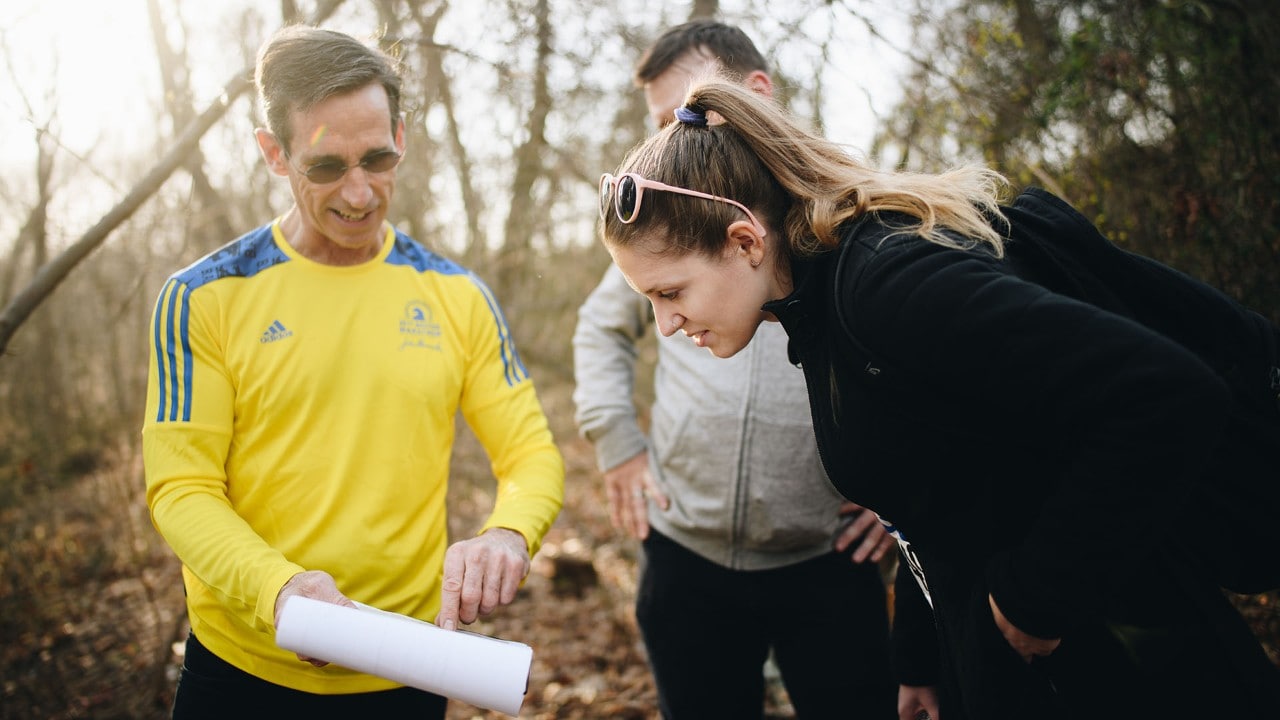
<point>417,327</point>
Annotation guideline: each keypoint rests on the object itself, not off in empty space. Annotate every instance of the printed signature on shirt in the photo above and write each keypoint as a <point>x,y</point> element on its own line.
<point>421,343</point>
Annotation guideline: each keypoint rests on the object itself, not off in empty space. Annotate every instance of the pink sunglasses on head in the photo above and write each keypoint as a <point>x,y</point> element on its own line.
<point>630,189</point>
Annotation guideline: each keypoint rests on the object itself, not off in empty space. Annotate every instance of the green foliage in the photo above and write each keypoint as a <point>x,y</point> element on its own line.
<point>1157,119</point>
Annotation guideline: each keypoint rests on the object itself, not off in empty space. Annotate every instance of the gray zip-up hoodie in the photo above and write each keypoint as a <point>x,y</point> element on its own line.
<point>731,440</point>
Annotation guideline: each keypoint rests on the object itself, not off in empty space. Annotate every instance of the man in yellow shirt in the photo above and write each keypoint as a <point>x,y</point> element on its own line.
<point>304,381</point>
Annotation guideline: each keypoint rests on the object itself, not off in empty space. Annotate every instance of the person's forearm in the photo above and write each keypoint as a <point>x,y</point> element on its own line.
<point>529,502</point>
<point>221,549</point>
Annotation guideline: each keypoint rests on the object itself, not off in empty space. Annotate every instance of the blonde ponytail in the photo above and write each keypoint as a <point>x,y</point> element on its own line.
<point>828,185</point>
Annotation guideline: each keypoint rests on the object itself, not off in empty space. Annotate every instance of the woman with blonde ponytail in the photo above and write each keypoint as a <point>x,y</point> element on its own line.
<point>1036,452</point>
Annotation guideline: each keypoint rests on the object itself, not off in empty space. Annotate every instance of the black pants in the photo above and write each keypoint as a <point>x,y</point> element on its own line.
<point>212,688</point>
<point>709,629</point>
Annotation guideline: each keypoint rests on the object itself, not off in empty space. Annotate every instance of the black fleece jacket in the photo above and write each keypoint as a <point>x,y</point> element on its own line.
<point>1025,445</point>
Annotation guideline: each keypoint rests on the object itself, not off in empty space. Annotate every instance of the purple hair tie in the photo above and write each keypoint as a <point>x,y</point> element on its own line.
<point>689,116</point>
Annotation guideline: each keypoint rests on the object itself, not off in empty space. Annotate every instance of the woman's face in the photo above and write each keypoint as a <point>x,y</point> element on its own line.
<point>715,300</point>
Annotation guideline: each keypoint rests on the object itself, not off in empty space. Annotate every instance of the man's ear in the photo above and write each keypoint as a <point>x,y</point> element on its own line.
<point>742,240</point>
<point>272,151</point>
<point>400,134</point>
<point>759,81</point>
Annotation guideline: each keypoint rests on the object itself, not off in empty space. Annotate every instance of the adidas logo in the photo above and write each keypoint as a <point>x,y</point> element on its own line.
<point>277,331</point>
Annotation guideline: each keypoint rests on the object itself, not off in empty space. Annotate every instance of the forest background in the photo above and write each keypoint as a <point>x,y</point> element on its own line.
<point>127,155</point>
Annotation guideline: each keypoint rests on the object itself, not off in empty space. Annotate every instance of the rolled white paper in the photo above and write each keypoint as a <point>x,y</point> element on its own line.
<point>476,669</point>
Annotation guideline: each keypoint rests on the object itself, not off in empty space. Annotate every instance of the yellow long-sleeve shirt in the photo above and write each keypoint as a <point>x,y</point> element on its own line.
<point>300,416</point>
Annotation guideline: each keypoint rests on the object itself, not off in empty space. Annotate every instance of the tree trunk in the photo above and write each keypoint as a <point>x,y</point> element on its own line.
<point>518,232</point>
<point>51,274</point>
<point>213,227</point>
<point>704,9</point>
<point>472,206</point>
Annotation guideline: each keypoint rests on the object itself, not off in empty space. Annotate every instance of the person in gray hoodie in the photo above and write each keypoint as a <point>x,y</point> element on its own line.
<point>747,547</point>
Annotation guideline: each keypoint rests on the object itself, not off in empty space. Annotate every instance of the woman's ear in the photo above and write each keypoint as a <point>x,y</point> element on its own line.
<point>758,81</point>
<point>742,240</point>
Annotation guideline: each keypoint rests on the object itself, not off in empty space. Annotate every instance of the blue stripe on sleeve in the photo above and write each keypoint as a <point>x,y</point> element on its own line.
<point>176,334</point>
<point>248,255</point>
<point>170,342</point>
<point>511,345</point>
<point>512,367</point>
<point>186,356</point>
<point>161,356</point>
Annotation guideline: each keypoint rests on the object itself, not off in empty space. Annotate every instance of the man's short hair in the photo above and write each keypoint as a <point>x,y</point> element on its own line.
<point>726,43</point>
<point>301,66</point>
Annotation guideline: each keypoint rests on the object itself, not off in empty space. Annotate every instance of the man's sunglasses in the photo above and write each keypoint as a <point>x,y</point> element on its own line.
<point>331,171</point>
<point>628,189</point>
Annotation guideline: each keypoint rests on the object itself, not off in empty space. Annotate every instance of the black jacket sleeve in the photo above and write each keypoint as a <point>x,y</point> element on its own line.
<point>915,642</point>
<point>1128,416</point>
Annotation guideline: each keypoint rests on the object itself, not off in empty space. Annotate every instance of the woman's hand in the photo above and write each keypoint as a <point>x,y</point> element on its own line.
<point>918,703</point>
<point>629,488</point>
<point>1027,646</point>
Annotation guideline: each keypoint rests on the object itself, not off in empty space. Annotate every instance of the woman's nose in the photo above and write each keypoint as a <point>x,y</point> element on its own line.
<point>669,324</point>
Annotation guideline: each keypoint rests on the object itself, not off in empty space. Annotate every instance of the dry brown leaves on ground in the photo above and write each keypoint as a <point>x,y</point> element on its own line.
<point>91,600</point>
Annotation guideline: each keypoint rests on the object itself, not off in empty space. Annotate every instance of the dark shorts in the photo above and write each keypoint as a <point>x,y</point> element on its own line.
<point>210,687</point>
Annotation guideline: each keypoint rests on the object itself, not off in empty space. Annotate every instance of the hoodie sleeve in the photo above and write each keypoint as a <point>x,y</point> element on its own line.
<point>611,323</point>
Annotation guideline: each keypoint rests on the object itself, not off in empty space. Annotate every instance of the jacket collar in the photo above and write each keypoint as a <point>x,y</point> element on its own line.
<point>796,311</point>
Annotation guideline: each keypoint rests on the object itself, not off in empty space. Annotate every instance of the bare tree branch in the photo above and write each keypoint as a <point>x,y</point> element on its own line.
<point>433,55</point>
<point>704,9</point>
<point>49,276</point>
<point>174,76</point>
<point>530,165</point>
<point>52,274</point>
<point>33,229</point>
